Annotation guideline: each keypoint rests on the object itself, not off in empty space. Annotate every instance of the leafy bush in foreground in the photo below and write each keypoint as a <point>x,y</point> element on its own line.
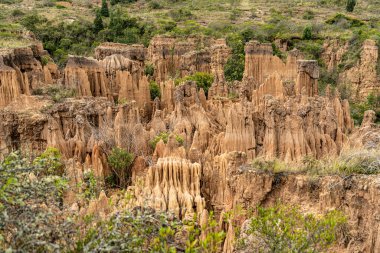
<point>285,229</point>
<point>120,161</point>
<point>31,195</point>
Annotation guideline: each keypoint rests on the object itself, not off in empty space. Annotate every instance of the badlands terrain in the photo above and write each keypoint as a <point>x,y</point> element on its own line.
<point>190,126</point>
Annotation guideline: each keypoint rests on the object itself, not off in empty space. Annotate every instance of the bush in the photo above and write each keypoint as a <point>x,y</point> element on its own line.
<point>149,70</point>
<point>358,109</point>
<point>104,10</point>
<point>285,229</point>
<point>98,22</point>
<point>51,160</point>
<point>164,136</point>
<point>155,5</point>
<point>307,33</point>
<point>180,14</point>
<point>350,6</point>
<point>308,15</point>
<point>31,214</point>
<point>234,68</point>
<point>120,161</point>
<point>154,90</point>
<point>202,79</point>
<point>17,13</point>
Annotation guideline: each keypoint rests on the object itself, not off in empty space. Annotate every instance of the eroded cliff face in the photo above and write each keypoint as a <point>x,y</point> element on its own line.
<point>362,78</point>
<point>22,71</point>
<point>356,196</point>
<point>277,114</point>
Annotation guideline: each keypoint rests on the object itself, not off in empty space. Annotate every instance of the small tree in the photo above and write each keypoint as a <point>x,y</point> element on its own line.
<point>307,33</point>
<point>154,90</point>
<point>350,6</point>
<point>120,161</point>
<point>98,22</point>
<point>234,68</point>
<point>203,80</point>
<point>104,10</point>
<point>285,229</point>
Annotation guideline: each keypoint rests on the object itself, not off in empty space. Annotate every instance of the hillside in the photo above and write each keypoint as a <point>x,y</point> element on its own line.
<point>189,126</point>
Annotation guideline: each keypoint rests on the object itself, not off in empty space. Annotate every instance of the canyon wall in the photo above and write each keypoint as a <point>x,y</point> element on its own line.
<point>277,113</point>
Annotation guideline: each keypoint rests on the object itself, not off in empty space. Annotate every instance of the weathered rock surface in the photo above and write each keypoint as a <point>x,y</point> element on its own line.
<point>276,113</point>
<point>363,77</point>
<point>21,71</point>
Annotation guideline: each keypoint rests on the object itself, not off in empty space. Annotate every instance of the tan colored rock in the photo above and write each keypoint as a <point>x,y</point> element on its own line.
<point>86,76</point>
<point>133,52</point>
<point>172,185</point>
<point>363,76</point>
<point>260,63</point>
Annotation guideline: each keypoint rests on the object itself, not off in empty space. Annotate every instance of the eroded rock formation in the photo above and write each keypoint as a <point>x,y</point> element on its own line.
<point>22,71</point>
<point>276,113</point>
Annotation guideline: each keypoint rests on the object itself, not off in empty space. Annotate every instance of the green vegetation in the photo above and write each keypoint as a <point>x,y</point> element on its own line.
<point>154,90</point>
<point>120,162</point>
<point>234,68</point>
<point>98,23</point>
<point>164,136</point>
<point>358,109</point>
<point>29,188</point>
<point>104,10</point>
<point>202,79</point>
<point>285,229</point>
<point>149,70</point>
<point>90,186</point>
<point>350,6</point>
<point>55,92</point>
<point>143,230</point>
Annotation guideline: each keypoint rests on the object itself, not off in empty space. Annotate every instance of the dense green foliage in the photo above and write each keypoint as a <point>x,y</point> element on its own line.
<point>120,161</point>
<point>104,10</point>
<point>149,70</point>
<point>285,229</point>
<point>358,109</point>
<point>164,136</point>
<point>80,37</point>
<point>202,79</point>
<point>350,6</point>
<point>98,22</point>
<point>154,90</point>
<point>31,192</point>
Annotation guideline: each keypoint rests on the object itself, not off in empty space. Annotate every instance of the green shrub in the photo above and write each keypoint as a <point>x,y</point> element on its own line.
<point>164,136</point>
<point>17,13</point>
<point>90,186</point>
<point>234,68</point>
<point>202,79</point>
<point>339,17</point>
<point>104,10</point>
<point>154,90</point>
<point>98,22</point>
<point>358,109</point>
<point>307,33</point>
<point>155,5</point>
<point>28,194</point>
<point>285,229</point>
<point>120,161</point>
<point>180,14</point>
<point>179,139</point>
<point>149,70</point>
<point>350,6</point>
<point>308,15</point>
<point>51,159</point>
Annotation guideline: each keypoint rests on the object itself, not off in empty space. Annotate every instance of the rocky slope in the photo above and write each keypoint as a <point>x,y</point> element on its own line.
<point>277,114</point>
